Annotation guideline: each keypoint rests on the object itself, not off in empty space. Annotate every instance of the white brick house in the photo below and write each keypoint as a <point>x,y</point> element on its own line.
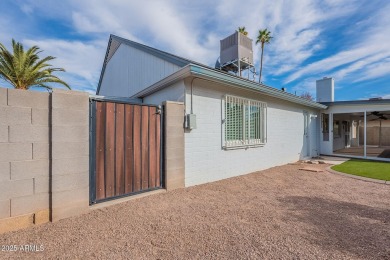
<point>241,126</point>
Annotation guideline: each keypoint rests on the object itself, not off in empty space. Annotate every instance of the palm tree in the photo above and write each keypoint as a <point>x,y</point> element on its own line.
<point>263,37</point>
<point>242,30</point>
<point>24,69</point>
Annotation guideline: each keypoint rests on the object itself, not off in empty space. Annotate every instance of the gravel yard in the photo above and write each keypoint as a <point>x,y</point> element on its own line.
<point>280,213</point>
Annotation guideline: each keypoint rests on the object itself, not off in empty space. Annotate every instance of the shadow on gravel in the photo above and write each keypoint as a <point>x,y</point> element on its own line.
<point>335,225</point>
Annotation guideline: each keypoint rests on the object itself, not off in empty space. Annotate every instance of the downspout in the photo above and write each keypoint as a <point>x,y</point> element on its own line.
<point>192,87</point>
<point>185,99</point>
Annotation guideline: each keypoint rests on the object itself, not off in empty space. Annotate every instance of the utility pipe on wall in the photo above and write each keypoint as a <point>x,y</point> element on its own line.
<point>192,81</point>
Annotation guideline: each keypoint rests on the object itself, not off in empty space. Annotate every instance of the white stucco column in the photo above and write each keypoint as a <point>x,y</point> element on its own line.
<point>365,134</point>
<point>331,141</point>
<point>358,133</point>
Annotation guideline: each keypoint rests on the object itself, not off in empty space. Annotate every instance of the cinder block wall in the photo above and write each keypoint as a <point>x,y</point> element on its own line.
<point>43,156</point>
<point>373,135</point>
<point>174,145</point>
<point>70,153</point>
<point>24,158</point>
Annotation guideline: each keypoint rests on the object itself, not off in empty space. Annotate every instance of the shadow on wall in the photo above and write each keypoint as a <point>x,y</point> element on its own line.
<point>302,155</point>
<point>358,229</point>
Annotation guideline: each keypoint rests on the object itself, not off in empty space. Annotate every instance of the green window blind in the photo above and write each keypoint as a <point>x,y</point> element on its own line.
<point>245,122</point>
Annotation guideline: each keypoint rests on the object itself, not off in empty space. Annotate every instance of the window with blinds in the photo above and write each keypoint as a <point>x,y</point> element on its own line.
<point>245,122</point>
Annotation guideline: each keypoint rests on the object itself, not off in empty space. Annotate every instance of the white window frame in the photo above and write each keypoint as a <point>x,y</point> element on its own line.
<point>244,132</point>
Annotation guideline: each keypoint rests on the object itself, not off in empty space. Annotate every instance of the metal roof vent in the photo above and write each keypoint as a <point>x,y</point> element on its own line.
<point>236,54</point>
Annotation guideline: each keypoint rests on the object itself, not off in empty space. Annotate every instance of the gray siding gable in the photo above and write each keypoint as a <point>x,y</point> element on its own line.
<point>130,68</point>
<point>153,61</point>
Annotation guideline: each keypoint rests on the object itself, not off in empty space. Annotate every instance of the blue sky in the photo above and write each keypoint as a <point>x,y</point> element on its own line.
<point>348,40</point>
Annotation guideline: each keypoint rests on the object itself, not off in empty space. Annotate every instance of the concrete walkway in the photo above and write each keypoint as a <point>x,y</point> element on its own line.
<point>331,160</point>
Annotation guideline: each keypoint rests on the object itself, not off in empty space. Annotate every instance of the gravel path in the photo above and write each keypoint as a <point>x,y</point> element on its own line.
<point>280,213</point>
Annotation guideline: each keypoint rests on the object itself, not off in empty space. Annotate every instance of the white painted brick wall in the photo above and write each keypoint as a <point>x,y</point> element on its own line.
<point>206,160</point>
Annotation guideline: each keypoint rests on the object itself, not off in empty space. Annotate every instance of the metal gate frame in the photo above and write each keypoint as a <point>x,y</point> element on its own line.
<point>92,148</point>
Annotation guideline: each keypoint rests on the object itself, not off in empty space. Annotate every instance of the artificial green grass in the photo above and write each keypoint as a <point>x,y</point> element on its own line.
<point>365,168</point>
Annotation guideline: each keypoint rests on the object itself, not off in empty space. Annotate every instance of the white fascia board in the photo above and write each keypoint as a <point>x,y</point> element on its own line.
<point>242,83</point>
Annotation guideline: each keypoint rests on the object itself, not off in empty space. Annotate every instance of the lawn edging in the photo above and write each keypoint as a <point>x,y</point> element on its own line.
<point>357,177</point>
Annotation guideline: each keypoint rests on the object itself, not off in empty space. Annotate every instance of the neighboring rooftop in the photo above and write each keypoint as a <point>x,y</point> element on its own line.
<point>358,102</point>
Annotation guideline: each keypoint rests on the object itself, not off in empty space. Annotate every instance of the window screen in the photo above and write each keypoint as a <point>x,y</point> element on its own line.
<point>245,122</point>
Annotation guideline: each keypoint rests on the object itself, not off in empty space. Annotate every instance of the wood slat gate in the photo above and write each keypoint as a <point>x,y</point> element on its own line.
<point>125,149</point>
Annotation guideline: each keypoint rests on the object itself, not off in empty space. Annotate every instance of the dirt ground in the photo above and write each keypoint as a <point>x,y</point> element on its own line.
<point>280,213</point>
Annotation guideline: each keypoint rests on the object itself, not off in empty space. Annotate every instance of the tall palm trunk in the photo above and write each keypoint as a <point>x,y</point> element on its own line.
<point>261,61</point>
<point>263,37</point>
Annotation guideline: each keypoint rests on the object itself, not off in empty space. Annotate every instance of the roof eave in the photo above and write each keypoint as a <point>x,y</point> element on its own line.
<point>247,84</point>
<point>196,70</point>
<point>357,102</point>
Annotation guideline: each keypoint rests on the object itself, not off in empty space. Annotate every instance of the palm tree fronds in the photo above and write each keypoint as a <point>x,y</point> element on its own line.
<point>24,69</point>
<point>242,30</point>
<point>263,37</point>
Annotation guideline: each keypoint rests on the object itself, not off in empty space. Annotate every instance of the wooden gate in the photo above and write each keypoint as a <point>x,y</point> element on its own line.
<point>125,149</point>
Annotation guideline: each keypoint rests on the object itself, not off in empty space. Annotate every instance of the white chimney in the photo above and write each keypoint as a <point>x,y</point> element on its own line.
<point>325,90</point>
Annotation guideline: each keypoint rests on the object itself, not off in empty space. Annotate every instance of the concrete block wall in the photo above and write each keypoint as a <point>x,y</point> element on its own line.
<point>69,153</point>
<point>24,157</point>
<point>373,135</point>
<point>43,156</point>
<point>174,145</point>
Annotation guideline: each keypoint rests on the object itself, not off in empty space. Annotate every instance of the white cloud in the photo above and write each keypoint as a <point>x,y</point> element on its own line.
<point>330,63</point>
<point>370,46</point>
<point>193,30</point>
<point>358,65</point>
<point>160,24</point>
<point>180,28</point>
<point>27,9</point>
<point>79,59</point>
<point>375,70</point>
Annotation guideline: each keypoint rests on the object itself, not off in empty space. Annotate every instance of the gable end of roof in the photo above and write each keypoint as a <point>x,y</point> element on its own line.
<point>114,43</point>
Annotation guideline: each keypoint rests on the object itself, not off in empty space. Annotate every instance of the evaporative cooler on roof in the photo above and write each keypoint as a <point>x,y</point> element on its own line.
<point>236,53</point>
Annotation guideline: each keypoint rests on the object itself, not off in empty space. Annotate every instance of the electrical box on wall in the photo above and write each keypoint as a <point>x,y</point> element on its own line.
<point>191,121</point>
